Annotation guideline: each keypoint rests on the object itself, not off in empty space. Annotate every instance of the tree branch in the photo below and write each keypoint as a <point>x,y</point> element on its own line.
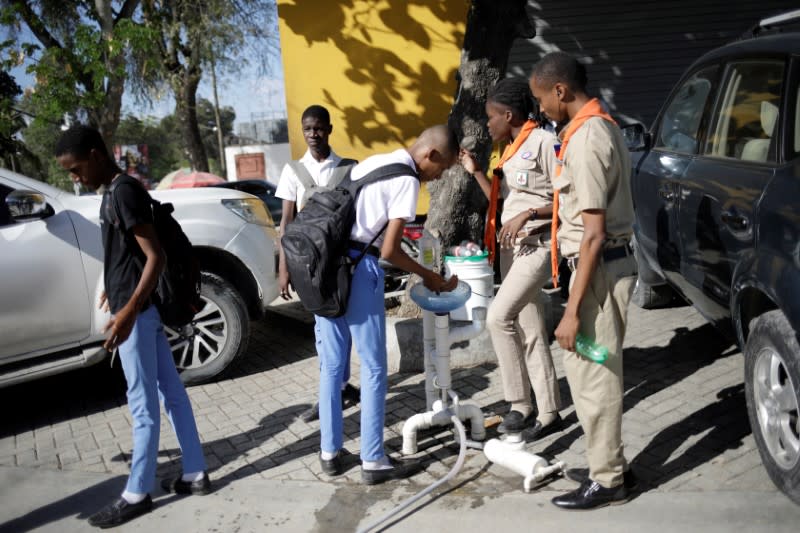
<point>126,11</point>
<point>36,25</point>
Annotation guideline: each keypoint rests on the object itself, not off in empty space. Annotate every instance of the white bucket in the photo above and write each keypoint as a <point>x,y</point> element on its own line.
<point>476,272</point>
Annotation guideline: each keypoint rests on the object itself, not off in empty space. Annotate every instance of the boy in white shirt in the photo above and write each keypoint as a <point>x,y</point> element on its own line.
<point>383,204</point>
<point>319,167</point>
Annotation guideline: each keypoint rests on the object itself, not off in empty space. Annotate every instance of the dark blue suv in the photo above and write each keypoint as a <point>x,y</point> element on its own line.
<point>716,185</point>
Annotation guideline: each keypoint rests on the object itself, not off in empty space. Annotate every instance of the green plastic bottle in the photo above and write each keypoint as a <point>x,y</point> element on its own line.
<point>590,349</point>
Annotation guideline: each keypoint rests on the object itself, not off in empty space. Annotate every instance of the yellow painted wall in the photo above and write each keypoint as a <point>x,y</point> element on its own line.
<point>384,69</point>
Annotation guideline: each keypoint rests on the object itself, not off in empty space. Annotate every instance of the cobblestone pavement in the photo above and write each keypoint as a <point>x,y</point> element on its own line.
<point>685,424</point>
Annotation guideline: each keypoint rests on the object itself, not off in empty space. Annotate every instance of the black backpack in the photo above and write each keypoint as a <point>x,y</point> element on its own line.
<point>177,295</point>
<point>316,242</point>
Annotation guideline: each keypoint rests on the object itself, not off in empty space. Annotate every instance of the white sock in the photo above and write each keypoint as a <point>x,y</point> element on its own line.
<point>327,456</point>
<point>133,497</point>
<point>521,407</point>
<point>381,464</point>
<point>192,476</point>
<point>547,418</point>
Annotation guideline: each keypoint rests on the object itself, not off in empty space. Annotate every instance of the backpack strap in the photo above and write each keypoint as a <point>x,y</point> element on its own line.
<point>303,176</point>
<point>393,170</point>
<point>341,171</point>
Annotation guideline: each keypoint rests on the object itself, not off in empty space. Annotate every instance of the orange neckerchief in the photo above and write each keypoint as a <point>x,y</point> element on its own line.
<point>489,235</point>
<point>592,108</point>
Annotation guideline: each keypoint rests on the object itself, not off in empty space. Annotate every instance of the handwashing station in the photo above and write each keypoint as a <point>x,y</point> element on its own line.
<point>443,404</point>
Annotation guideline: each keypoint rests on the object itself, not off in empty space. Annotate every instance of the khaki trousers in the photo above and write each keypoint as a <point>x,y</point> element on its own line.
<point>516,323</point>
<point>597,390</point>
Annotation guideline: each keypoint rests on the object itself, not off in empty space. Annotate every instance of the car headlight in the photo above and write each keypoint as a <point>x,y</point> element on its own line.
<point>252,210</point>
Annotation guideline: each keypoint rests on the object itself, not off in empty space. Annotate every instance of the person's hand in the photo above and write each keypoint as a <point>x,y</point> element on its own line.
<point>119,328</point>
<point>467,160</point>
<point>103,304</point>
<point>285,285</point>
<point>566,332</point>
<point>436,283</point>
<point>509,231</point>
<point>450,284</point>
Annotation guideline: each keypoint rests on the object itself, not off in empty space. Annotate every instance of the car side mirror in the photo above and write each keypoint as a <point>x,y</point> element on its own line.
<point>636,138</point>
<point>27,205</point>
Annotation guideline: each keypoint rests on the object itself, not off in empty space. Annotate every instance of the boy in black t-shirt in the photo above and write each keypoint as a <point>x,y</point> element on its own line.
<point>133,260</point>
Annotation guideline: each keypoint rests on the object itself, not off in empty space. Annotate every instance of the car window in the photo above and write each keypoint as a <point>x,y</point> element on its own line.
<point>680,125</point>
<point>746,121</point>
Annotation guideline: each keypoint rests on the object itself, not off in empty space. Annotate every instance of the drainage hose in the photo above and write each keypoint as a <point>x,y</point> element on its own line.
<point>462,453</point>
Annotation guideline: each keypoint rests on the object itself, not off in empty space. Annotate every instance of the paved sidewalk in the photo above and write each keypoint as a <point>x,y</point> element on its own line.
<point>65,444</point>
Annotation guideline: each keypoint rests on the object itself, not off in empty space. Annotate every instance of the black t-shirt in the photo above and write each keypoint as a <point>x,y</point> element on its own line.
<point>123,258</point>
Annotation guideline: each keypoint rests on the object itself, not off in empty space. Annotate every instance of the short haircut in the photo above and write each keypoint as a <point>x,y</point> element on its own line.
<point>560,67</point>
<point>79,141</point>
<point>514,93</point>
<point>318,112</point>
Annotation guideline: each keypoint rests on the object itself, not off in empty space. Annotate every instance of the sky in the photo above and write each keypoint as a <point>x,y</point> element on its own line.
<point>246,92</point>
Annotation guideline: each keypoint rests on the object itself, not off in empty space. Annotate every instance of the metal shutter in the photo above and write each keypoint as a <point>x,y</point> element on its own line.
<point>636,51</point>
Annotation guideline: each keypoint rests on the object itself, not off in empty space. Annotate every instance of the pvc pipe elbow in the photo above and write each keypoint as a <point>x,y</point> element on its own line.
<point>410,428</point>
<point>474,329</point>
<point>476,419</point>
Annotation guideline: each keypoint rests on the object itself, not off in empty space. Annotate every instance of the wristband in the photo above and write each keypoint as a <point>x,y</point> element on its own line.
<point>532,214</point>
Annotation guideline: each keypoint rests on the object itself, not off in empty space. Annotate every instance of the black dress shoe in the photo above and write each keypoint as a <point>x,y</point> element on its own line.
<point>310,414</point>
<point>582,474</point>
<point>350,395</point>
<point>177,485</point>
<point>119,512</point>
<point>514,422</point>
<point>592,495</point>
<point>399,470</point>
<point>538,431</point>
<point>332,467</point>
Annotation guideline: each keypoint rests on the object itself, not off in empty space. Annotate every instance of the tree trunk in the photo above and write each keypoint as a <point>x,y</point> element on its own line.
<point>458,207</point>
<point>184,87</point>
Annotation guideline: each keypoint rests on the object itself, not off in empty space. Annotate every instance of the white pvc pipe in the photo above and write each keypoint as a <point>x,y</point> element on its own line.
<point>418,422</point>
<point>473,413</point>
<point>462,453</point>
<point>513,457</point>
<point>463,333</point>
<point>441,356</point>
<point>429,342</point>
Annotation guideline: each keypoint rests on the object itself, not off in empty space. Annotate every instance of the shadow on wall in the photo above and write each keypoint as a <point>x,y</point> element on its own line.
<point>360,30</point>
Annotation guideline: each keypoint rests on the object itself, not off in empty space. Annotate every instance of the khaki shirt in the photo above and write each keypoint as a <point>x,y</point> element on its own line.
<point>596,175</point>
<point>528,174</point>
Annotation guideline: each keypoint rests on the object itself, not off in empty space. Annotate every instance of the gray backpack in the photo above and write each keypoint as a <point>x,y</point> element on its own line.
<point>311,187</point>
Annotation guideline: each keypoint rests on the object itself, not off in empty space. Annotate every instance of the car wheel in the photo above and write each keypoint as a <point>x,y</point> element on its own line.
<point>217,335</point>
<point>772,389</point>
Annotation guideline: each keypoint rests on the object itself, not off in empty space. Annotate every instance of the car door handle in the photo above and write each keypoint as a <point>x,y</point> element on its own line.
<point>667,194</point>
<point>735,220</point>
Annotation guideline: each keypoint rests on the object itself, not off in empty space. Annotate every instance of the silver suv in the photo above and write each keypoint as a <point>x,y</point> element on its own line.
<point>51,260</point>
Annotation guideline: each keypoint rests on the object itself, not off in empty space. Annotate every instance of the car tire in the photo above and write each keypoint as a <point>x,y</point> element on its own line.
<point>217,335</point>
<point>772,389</point>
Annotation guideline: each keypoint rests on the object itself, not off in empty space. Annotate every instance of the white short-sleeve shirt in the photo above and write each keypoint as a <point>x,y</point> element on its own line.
<point>379,202</point>
<point>289,186</point>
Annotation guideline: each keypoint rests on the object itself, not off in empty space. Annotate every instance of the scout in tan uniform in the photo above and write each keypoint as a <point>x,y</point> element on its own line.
<point>596,212</point>
<point>516,315</point>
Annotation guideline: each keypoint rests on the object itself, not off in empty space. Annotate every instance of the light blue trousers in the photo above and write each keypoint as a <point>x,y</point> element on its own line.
<point>150,373</point>
<point>364,323</point>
